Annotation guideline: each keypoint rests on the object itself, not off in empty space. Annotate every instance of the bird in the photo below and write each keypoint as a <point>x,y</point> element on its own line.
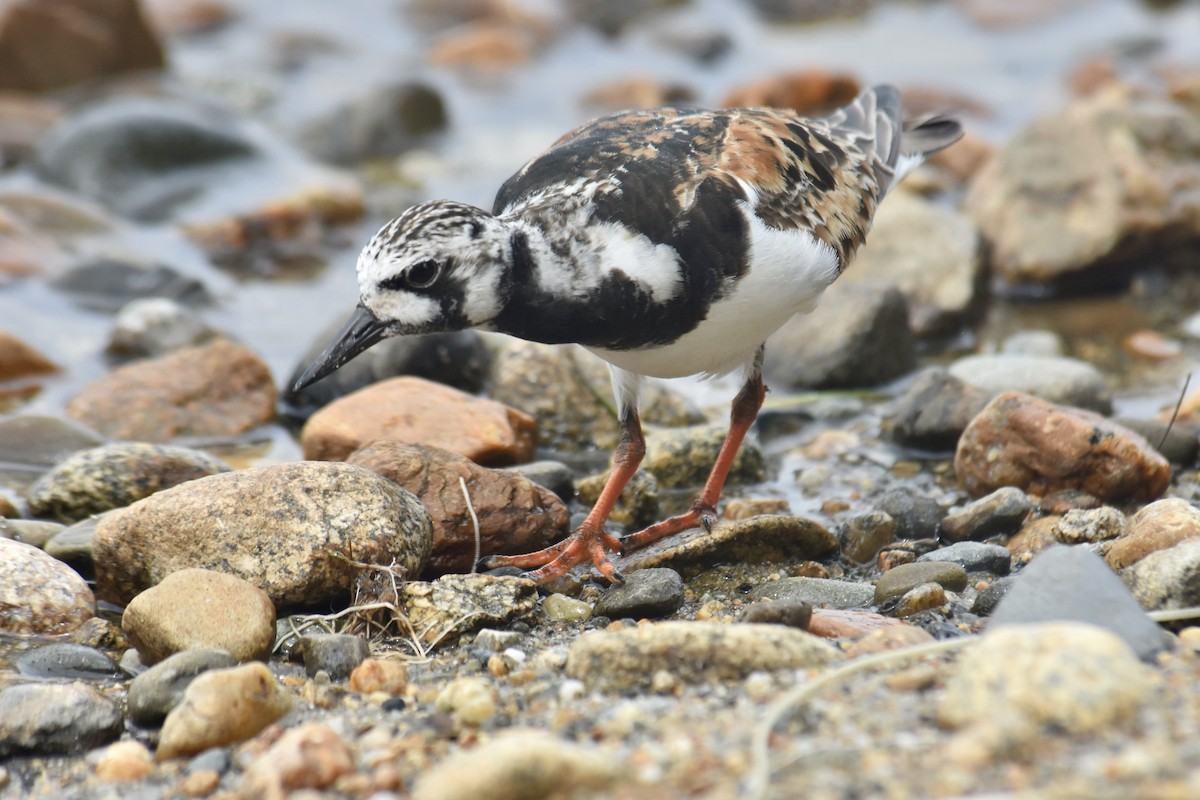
<point>668,242</point>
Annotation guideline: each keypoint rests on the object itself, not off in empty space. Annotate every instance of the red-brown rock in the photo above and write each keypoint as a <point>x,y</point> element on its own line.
<point>49,44</point>
<point>19,360</point>
<point>810,92</point>
<point>218,389</point>
<point>515,514</point>
<point>1023,441</point>
<point>416,411</point>
<point>1162,524</point>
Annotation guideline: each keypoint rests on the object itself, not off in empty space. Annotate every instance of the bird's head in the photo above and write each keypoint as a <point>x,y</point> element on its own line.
<point>437,267</point>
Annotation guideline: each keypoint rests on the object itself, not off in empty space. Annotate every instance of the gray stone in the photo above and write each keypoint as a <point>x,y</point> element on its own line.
<point>108,285</point>
<point>864,535</point>
<point>336,654</point>
<point>154,326</point>
<point>379,122</point>
<point>34,532</point>
<point>554,475</point>
<point>65,661</point>
<point>818,592</point>
<point>934,411</point>
<point>495,640</point>
<point>1177,443</point>
<point>1167,578</point>
<point>917,516</point>
<point>649,593</point>
<point>987,600</point>
<point>1000,513</point>
<point>1067,381</point>
<point>442,610</point>
<point>1033,343</point>
<point>858,336</point>
<point>897,581</point>
<point>973,557</point>
<point>39,442</point>
<point>73,546</point>
<point>1074,584</point>
<point>793,613</point>
<point>159,689</point>
<point>55,718</point>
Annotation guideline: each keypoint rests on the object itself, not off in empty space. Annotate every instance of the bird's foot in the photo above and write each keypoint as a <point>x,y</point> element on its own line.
<point>583,544</point>
<point>700,514</point>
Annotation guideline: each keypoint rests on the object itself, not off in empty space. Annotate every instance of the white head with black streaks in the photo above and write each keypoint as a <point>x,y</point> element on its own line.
<point>439,266</point>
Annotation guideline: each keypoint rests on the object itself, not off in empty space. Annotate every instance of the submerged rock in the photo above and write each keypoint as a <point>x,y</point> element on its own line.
<point>39,594</point>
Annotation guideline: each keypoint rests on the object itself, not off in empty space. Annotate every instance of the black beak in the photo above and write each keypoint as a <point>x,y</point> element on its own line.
<point>362,330</point>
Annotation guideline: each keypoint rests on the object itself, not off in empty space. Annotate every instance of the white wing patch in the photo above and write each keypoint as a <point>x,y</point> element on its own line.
<point>655,266</point>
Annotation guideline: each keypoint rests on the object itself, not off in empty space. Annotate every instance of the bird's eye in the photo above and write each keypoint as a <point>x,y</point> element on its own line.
<point>422,274</point>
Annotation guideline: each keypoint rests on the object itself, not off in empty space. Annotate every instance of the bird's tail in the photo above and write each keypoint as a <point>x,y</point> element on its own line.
<point>875,121</point>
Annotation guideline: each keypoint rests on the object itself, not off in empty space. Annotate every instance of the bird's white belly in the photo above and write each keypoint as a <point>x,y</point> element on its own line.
<point>789,271</point>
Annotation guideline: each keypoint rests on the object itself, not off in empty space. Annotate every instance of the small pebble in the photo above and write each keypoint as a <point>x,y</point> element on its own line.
<point>159,689</point>
<point>655,592</point>
<point>920,598</point>
<point>561,608</point>
<point>222,707</point>
<point>471,701</point>
<point>387,675</point>
<point>335,654</point>
<point>123,761</point>
<point>973,557</point>
<point>68,662</point>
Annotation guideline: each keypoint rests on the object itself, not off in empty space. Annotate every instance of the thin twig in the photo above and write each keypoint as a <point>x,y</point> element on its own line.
<point>1175,413</point>
<point>474,521</point>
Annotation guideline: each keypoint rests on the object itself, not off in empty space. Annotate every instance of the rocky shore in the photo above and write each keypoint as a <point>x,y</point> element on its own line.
<point>958,556</point>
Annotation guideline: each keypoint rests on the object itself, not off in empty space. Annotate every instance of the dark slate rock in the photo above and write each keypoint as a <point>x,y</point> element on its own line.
<point>335,653</point>
<point>554,475</point>
<point>651,593</point>
<point>792,613</point>
<point>383,121</point>
<point>974,557</point>
<point>107,285</point>
<point>934,411</point>
<point>159,689</point>
<point>55,718</point>
<point>987,600</point>
<point>68,661</point>
<point>917,516</point>
<point>1074,584</point>
<point>818,592</point>
<point>864,535</point>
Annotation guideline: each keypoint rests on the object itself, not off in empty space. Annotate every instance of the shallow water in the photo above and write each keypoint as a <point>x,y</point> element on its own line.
<point>498,121</point>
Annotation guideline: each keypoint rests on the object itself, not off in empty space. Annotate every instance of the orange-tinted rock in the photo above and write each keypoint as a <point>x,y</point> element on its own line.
<point>892,637</point>
<point>310,756</point>
<point>1152,346</point>
<point>19,360</point>
<point>515,514</point>
<point>1034,537</point>
<point>811,92</point>
<point>222,707</point>
<point>1023,441</point>
<point>964,158</point>
<point>47,46</point>
<point>1162,524</point>
<point>836,623</point>
<point>39,593</point>
<point>637,92</point>
<point>219,389</point>
<point>484,46</point>
<point>416,411</point>
<point>183,17</point>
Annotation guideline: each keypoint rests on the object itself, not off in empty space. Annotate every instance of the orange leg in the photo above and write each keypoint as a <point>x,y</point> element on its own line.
<point>704,511</point>
<point>589,540</point>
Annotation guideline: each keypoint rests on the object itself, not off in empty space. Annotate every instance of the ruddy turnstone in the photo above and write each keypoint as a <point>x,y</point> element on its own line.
<point>668,242</point>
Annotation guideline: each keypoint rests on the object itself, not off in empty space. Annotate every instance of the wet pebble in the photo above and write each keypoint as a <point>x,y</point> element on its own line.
<point>818,592</point>
<point>934,411</point>
<point>310,756</point>
<point>553,475</point>
<point>1000,513</point>
<point>115,475</point>
<point>33,532</point>
<point>37,441</point>
<point>1035,342</point>
<point>159,689</point>
<point>193,608</point>
<point>562,608</point>
<point>987,600</point>
<point>917,515</point>
<point>973,557</point>
<point>517,764</point>
<point>1023,441</point>
<point>637,505</point>
<point>792,613</point>
<point>1079,526</point>
<point>1167,578</point>
<point>1031,679</point>
<point>858,336</point>
<point>1062,380</point>
<point>108,285</point>
<point>222,707</point>
<point>864,535</point>
<point>765,538</point>
<point>1157,526</point>
<point>923,597</point>
<point>74,545</point>
<point>1074,584</point>
<point>905,577</point>
<point>444,609</point>
<point>892,637</point>
<point>218,389</point>
<point>691,652</point>
<point>52,718</point>
<point>373,121</point>
<point>418,411</point>
<point>652,593</point>
<point>154,326</point>
<point>336,654</point>
<point>39,594</point>
<point>66,661</point>
<point>1178,443</point>
<point>282,527</point>
<point>513,514</point>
